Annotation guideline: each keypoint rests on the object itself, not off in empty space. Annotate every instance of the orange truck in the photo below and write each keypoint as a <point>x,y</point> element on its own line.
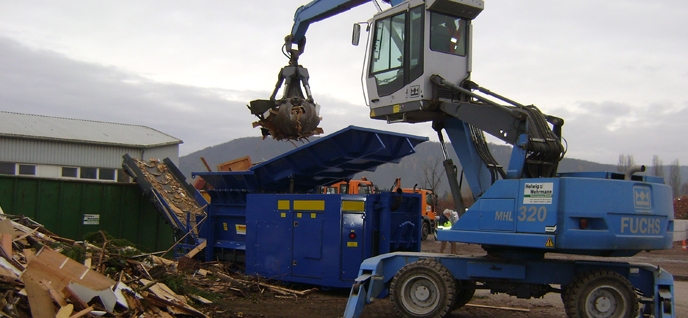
<point>428,204</point>
<point>363,186</point>
<point>240,164</point>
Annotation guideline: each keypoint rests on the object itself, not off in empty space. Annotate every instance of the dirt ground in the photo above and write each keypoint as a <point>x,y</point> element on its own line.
<point>332,303</point>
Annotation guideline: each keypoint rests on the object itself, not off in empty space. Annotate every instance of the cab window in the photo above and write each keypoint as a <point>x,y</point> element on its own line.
<point>397,56</point>
<point>447,34</point>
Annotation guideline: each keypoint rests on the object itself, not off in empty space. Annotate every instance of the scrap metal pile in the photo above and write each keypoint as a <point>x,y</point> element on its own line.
<point>37,279</point>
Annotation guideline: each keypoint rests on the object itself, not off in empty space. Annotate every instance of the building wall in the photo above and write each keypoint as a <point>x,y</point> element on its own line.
<point>54,159</point>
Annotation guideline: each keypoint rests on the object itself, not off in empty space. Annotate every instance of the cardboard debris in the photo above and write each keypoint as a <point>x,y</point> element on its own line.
<point>106,296</point>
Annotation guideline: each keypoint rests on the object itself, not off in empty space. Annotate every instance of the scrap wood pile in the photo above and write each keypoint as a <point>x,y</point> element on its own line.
<point>178,199</point>
<point>37,279</point>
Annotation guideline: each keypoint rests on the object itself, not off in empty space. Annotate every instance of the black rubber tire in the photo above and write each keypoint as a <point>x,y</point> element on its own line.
<point>422,289</point>
<point>465,289</point>
<point>600,294</point>
<point>424,231</point>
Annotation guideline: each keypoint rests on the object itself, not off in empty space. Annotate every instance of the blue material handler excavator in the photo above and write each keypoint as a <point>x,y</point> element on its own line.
<point>417,69</point>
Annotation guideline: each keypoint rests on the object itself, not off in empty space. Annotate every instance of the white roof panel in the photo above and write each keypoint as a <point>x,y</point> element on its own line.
<point>81,131</point>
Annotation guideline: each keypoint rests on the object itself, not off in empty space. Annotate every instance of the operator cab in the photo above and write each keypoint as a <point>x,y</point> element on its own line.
<point>407,45</point>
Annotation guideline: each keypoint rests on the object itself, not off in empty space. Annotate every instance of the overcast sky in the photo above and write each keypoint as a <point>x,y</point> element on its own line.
<point>615,70</point>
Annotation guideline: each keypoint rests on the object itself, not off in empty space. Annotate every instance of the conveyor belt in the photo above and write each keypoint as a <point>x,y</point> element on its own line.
<point>337,156</point>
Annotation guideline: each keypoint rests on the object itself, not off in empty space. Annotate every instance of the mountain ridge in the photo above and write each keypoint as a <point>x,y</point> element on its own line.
<point>409,169</point>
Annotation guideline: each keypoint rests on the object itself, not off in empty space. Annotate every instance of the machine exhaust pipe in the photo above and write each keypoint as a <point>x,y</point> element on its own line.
<point>633,169</point>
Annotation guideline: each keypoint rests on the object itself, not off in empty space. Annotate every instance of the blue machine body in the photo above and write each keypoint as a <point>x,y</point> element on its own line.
<point>272,218</point>
<point>322,239</point>
<point>565,214</point>
<point>519,221</point>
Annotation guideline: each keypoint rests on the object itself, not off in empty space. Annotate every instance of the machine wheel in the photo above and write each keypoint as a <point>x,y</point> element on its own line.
<point>465,289</point>
<point>424,231</point>
<point>422,289</point>
<point>600,294</point>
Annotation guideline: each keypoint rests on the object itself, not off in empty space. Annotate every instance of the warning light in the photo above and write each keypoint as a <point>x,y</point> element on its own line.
<point>352,236</point>
<point>583,224</point>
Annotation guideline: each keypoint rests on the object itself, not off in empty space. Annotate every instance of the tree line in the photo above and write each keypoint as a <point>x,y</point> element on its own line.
<point>657,170</point>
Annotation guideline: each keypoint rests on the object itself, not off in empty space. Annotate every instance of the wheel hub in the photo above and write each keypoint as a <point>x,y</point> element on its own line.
<point>604,302</point>
<point>422,293</point>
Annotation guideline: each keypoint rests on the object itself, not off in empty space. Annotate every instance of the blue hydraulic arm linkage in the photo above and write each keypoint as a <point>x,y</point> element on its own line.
<point>319,10</point>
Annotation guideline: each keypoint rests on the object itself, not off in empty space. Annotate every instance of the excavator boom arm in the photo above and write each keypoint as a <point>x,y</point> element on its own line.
<point>319,10</point>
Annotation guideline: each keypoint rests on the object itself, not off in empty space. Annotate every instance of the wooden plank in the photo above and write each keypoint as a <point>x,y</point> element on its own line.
<point>29,255</point>
<point>6,226</point>
<point>196,249</point>
<point>65,311</point>
<point>497,307</point>
<point>82,313</point>
<point>161,260</point>
<point>132,301</point>
<point>6,235</point>
<point>59,299</point>
<point>199,299</point>
<point>60,270</point>
<point>8,270</point>
<point>40,302</point>
<point>161,290</point>
<point>25,235</point>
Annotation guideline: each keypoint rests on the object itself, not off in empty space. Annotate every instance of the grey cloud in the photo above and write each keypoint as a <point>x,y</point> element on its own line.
<point>604,130</point>
<point>46,83</point>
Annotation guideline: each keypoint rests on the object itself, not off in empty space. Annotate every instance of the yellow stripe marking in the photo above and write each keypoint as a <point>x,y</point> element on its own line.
<point>309,205</point>
<point>282,204</point>
<point>353,205</point>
